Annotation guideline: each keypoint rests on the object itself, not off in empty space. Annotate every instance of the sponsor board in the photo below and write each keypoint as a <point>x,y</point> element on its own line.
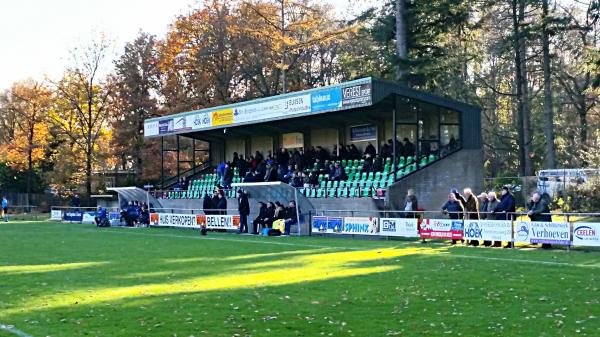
<point>219,221</point>
<point>222,117</point>
<point>165,126</point>
<point>356,95</point>
<point>558,233</point>
<point>361,225</point>
<point>442,229</point>
<point>272,109</point>
<point>326,100</point>
<point>363,133</point>
<point>586,234</point>
<point>293,140</point>
<point>56,215</point>
<point>73,216</point>
<point>399,227</point>
<point>181,124</point>
<point>199,120</point>
<point>151,128</point>
<point>114,218</point>
<point>327,224</point>
<point>491,230</point>
<point>195,220</point>
<point>89,217</point>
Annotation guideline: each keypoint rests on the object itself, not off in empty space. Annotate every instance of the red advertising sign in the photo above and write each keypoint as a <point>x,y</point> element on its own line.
<point>442,229</point>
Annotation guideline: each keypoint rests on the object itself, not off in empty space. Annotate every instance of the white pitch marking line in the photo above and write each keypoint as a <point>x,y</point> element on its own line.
<point>11,329</point>
<point>552,263</point>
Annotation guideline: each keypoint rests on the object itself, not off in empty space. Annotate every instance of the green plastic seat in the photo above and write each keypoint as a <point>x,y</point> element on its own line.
<point>328,184</point>
<point>352,193</point>
<point>370,176</point>
<point>331,192</point>
<point>335,184</point>
<point>342,184</point>
<point>344,163</point>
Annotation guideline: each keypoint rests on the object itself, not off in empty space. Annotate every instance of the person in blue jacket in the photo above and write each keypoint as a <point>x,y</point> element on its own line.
<point>102,218</point>
<point>5,208</point>
<point>506,208</point>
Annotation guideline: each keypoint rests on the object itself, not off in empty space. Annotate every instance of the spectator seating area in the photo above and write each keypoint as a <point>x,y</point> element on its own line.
<point>358,184</point>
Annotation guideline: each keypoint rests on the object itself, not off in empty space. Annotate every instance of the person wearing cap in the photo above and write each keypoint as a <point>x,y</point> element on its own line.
<point>453,208</point>
<point>492,203</point>
<point>505,208</point>
<point>244,211</point>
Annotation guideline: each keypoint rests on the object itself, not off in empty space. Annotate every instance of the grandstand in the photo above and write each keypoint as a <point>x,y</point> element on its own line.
<point>446,135</point>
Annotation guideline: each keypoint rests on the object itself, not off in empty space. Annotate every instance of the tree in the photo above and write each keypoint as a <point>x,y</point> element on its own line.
<point>82,106</point>
<point>548,102</point>
<point>135,78</point>
<point>28,104</point>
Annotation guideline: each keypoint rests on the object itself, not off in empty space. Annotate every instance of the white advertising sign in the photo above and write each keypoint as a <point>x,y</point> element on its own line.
<point>199,120</point>
<point>56,215</point>
<point>586,234</point>
<point>272,109</point>
<point>361,225</point>
<point>151,128</point>
<point>491,230</point>
<point>174,220</point>
<point>543,232</point>
<point>406,227</point>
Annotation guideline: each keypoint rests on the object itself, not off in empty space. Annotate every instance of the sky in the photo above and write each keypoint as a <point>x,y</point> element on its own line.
<point>36,35</point>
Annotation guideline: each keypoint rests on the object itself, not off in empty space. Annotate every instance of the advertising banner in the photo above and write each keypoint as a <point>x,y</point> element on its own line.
<point>327,224</point>
<point>399,227</point>
<point>363,132</point>
<point>271,109</point>
<point>219,221</point>
<point>586,234</point>
<point>356,95</point>
<point>73,216</point>
<point>222,117</point>
<point>114,218</point>
<point>442,229</point>
<point>89,217</point>
<point>56,215</point>
<point>151,128</point>
<point>558,233</point>
<point>195,220</point>
<point>165,126</point>
<point>293,140</point>
<point>199,120</point>
<point>180,124</point>
<point>326,100</point>
<point>491,230</point>
<point>361,225</point>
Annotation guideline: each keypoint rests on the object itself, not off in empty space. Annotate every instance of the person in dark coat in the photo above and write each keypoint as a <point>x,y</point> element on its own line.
<point>505,208</point>
<point>270,216</point>
<point>207,204</point>
<point>385,150</point>
<point>454,208</point>
<point>538,210</point>
<point>291,217</point>
<point>228,176</point>
<point>370,149</point>
<point>471,206</point>
<point>408,148</point>
<point>244,210</point>
<point>260,219</point>
<point>221,203</point>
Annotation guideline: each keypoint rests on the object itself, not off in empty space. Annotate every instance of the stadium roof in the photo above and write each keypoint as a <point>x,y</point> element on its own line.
<point>359,93</point>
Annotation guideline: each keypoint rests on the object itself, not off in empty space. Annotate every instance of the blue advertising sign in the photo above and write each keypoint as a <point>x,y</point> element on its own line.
<point>165,126</point>
<point>73,216</point>
<point>363,132</point>
<point>327,224</point>
<point>326,100</point>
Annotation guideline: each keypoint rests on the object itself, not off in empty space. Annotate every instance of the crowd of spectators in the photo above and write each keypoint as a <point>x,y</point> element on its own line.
<point>274,218</point>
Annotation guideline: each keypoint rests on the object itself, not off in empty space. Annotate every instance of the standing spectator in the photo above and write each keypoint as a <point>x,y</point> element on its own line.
<point>377,163</point>
<point>242,166</point>
<point>410,204</point>
<point>271,172</point>
<point>483,201</point>
<point>5,208</point>
<point>370,149</point>
<point>260,219</point>
<point>354,153</point>
<point>222,203</point>
<point>235,161</point>
<point>538,210</point>
<point>492,203</point>
<point>454,208</point>
<point>76,202</point>
<point>506,208</point>
<point>221,172</point>
<point>144,216</point>
<point>207,204</point>
<point>408,148</point>
<point>244,209</point>
<point>368,164</point>
<point>385,150</point>
<point>471,206</point>
<point>227,176</point>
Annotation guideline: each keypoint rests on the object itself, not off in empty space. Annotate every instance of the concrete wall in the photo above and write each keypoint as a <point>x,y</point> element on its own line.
<point>234,145</point>
<point>325,138</point>
<point>432,184</point>
<point>263,144</point>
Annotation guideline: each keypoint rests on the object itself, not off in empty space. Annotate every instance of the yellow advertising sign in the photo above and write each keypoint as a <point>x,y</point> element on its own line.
<point>222,117</point>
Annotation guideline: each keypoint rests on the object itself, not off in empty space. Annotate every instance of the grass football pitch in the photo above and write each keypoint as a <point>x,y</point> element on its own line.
<point>77,280</point>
